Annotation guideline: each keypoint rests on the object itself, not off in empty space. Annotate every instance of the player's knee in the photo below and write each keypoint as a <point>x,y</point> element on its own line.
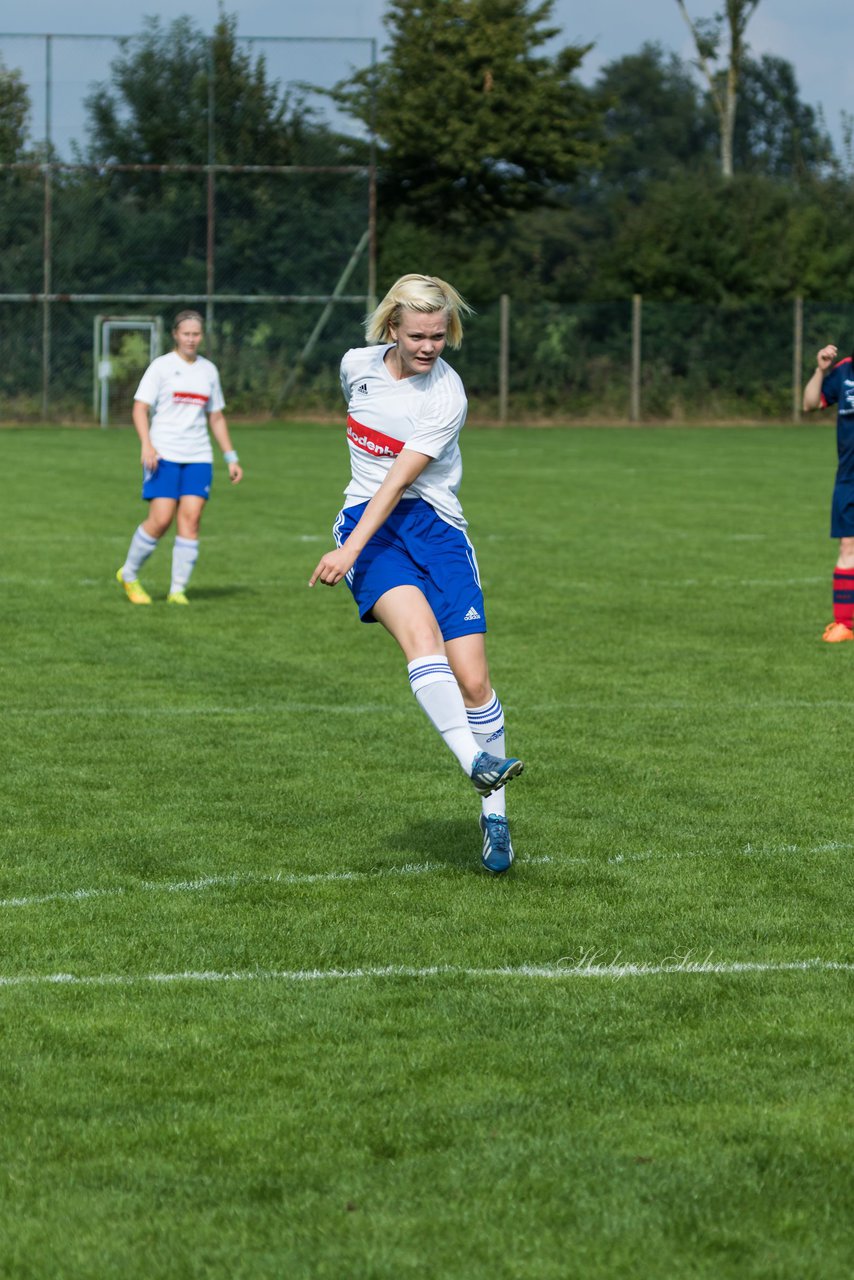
<point>156,528</point>
<point>476,690</point>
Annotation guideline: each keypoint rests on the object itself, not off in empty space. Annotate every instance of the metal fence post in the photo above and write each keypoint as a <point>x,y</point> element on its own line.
<point>635,395</point>
<point>210,249</point>
<point>503,355</point>
<point>47,243</point>
<point>797,358</point>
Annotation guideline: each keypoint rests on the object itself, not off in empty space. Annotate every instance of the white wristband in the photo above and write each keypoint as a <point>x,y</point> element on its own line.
<point>231,456</point>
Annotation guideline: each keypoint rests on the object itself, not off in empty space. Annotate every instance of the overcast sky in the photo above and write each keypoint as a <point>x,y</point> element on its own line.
<point>802,33</point>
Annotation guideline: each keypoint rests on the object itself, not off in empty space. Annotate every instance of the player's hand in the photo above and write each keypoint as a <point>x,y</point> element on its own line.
<point>150,458</point>
<point>236,472</point>
<point>826,357</point>
<point>332,567</point>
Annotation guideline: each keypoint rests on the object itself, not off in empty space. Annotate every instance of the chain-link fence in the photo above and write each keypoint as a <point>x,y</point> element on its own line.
<point>559,363</point>
<point>638,360</point>
<point>274,254</point>
<point>280,257</point>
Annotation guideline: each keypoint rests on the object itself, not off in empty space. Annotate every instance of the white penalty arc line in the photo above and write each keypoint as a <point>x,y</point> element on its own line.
<point>235,881</point>
<point>549,973</point>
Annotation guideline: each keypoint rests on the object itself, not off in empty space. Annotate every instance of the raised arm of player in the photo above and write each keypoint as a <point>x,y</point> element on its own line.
<point>812,391</point>
<point>336,564</point>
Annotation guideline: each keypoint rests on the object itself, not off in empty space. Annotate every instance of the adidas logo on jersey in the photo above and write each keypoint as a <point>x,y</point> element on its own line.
<point>363,387</point>
<point>472,615</point>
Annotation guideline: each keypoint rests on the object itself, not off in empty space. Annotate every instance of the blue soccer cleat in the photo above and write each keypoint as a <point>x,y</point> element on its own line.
<point>489,773</point>
<point>497,853</point>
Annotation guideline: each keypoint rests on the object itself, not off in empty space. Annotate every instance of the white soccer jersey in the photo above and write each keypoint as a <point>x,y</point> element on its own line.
<point>181,394</point>
<point>384,415</point>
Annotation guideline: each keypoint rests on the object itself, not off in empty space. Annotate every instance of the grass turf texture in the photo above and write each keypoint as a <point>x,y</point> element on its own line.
<point>245,789</point>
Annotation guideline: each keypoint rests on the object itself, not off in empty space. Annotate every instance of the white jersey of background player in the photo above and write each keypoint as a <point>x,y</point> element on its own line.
<point>400,538</point>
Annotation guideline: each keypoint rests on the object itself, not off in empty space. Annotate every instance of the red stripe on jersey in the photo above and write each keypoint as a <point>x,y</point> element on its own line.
<point>190,397</point>
<point>372,442</point>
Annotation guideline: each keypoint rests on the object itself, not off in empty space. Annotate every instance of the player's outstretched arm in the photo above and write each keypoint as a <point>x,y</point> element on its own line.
<point>812,391</point>
<point>336,564</point>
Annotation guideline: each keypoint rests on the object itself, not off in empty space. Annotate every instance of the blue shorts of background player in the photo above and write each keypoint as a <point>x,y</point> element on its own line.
<point>178,480</point>
<point>415,547</point>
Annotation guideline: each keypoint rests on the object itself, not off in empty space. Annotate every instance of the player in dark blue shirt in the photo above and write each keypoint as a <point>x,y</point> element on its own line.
<point>833,383</point>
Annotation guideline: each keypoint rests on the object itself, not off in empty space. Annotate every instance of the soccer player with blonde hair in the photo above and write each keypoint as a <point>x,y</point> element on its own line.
<point>401,541</point>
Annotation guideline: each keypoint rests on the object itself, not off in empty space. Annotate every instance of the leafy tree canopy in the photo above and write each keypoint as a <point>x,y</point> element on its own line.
<point>155,108</point>
<point>14,115</point>
<point>473,119</point>
<point>655,119</point>
<point>775,132</point>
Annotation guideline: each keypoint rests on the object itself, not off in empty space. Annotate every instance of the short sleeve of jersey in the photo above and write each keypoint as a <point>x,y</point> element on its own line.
<point>149,385</point>
<point>344,373</point>
<point>216,403</point>
<point>830,387</point>
<point>444,415</point>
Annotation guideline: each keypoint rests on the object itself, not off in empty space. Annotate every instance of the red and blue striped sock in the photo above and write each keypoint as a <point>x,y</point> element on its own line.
<point>843,596</point>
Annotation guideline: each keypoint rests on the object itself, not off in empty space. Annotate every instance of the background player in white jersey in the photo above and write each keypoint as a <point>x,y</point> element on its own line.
<point>181,390</point>
<point>401,540</point>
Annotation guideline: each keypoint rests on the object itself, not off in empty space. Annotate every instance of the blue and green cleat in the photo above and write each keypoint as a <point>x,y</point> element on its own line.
<point>490,773</point>
<point>497,853</point>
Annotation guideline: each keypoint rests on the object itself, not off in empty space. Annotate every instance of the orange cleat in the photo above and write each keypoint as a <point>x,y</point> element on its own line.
<point>834,632</point>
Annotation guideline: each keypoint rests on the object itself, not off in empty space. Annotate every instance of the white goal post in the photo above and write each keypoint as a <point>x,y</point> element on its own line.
<point>105,327</point>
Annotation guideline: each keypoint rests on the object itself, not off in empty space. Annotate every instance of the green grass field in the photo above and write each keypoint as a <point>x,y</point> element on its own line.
<point>262,1013</point>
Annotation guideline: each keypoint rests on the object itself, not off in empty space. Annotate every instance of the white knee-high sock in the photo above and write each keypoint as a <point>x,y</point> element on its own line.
<point>141,546</point>
<point>185,553</point>
<point>487,726</point>
<point>435,686</point>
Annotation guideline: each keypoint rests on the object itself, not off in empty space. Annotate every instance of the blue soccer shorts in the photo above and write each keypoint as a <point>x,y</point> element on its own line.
<point>416,548</point>
<point>842,510</point>
<point>178,480</point>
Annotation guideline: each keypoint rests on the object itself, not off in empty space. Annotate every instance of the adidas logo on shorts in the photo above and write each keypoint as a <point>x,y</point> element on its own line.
<point>472,615</point>
<point>363,387</point>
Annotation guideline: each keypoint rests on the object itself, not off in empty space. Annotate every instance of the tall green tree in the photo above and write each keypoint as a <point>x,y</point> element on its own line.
<point>155,107</point>
<point>655,119</point>
<point>473,118</point>
<point>775,132</point>
<point>722,70</point>
<point>273,233</point>
<point>14,114</point>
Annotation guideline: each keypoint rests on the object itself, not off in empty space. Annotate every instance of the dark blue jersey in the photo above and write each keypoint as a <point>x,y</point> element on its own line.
<point>838,388</point>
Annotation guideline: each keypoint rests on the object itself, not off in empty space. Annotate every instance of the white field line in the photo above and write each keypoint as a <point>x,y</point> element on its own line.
<point>748,850</point>
<point>283,708</point>
<point>558,972</point>
<point>404,708</point>
<point>235,880</point>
